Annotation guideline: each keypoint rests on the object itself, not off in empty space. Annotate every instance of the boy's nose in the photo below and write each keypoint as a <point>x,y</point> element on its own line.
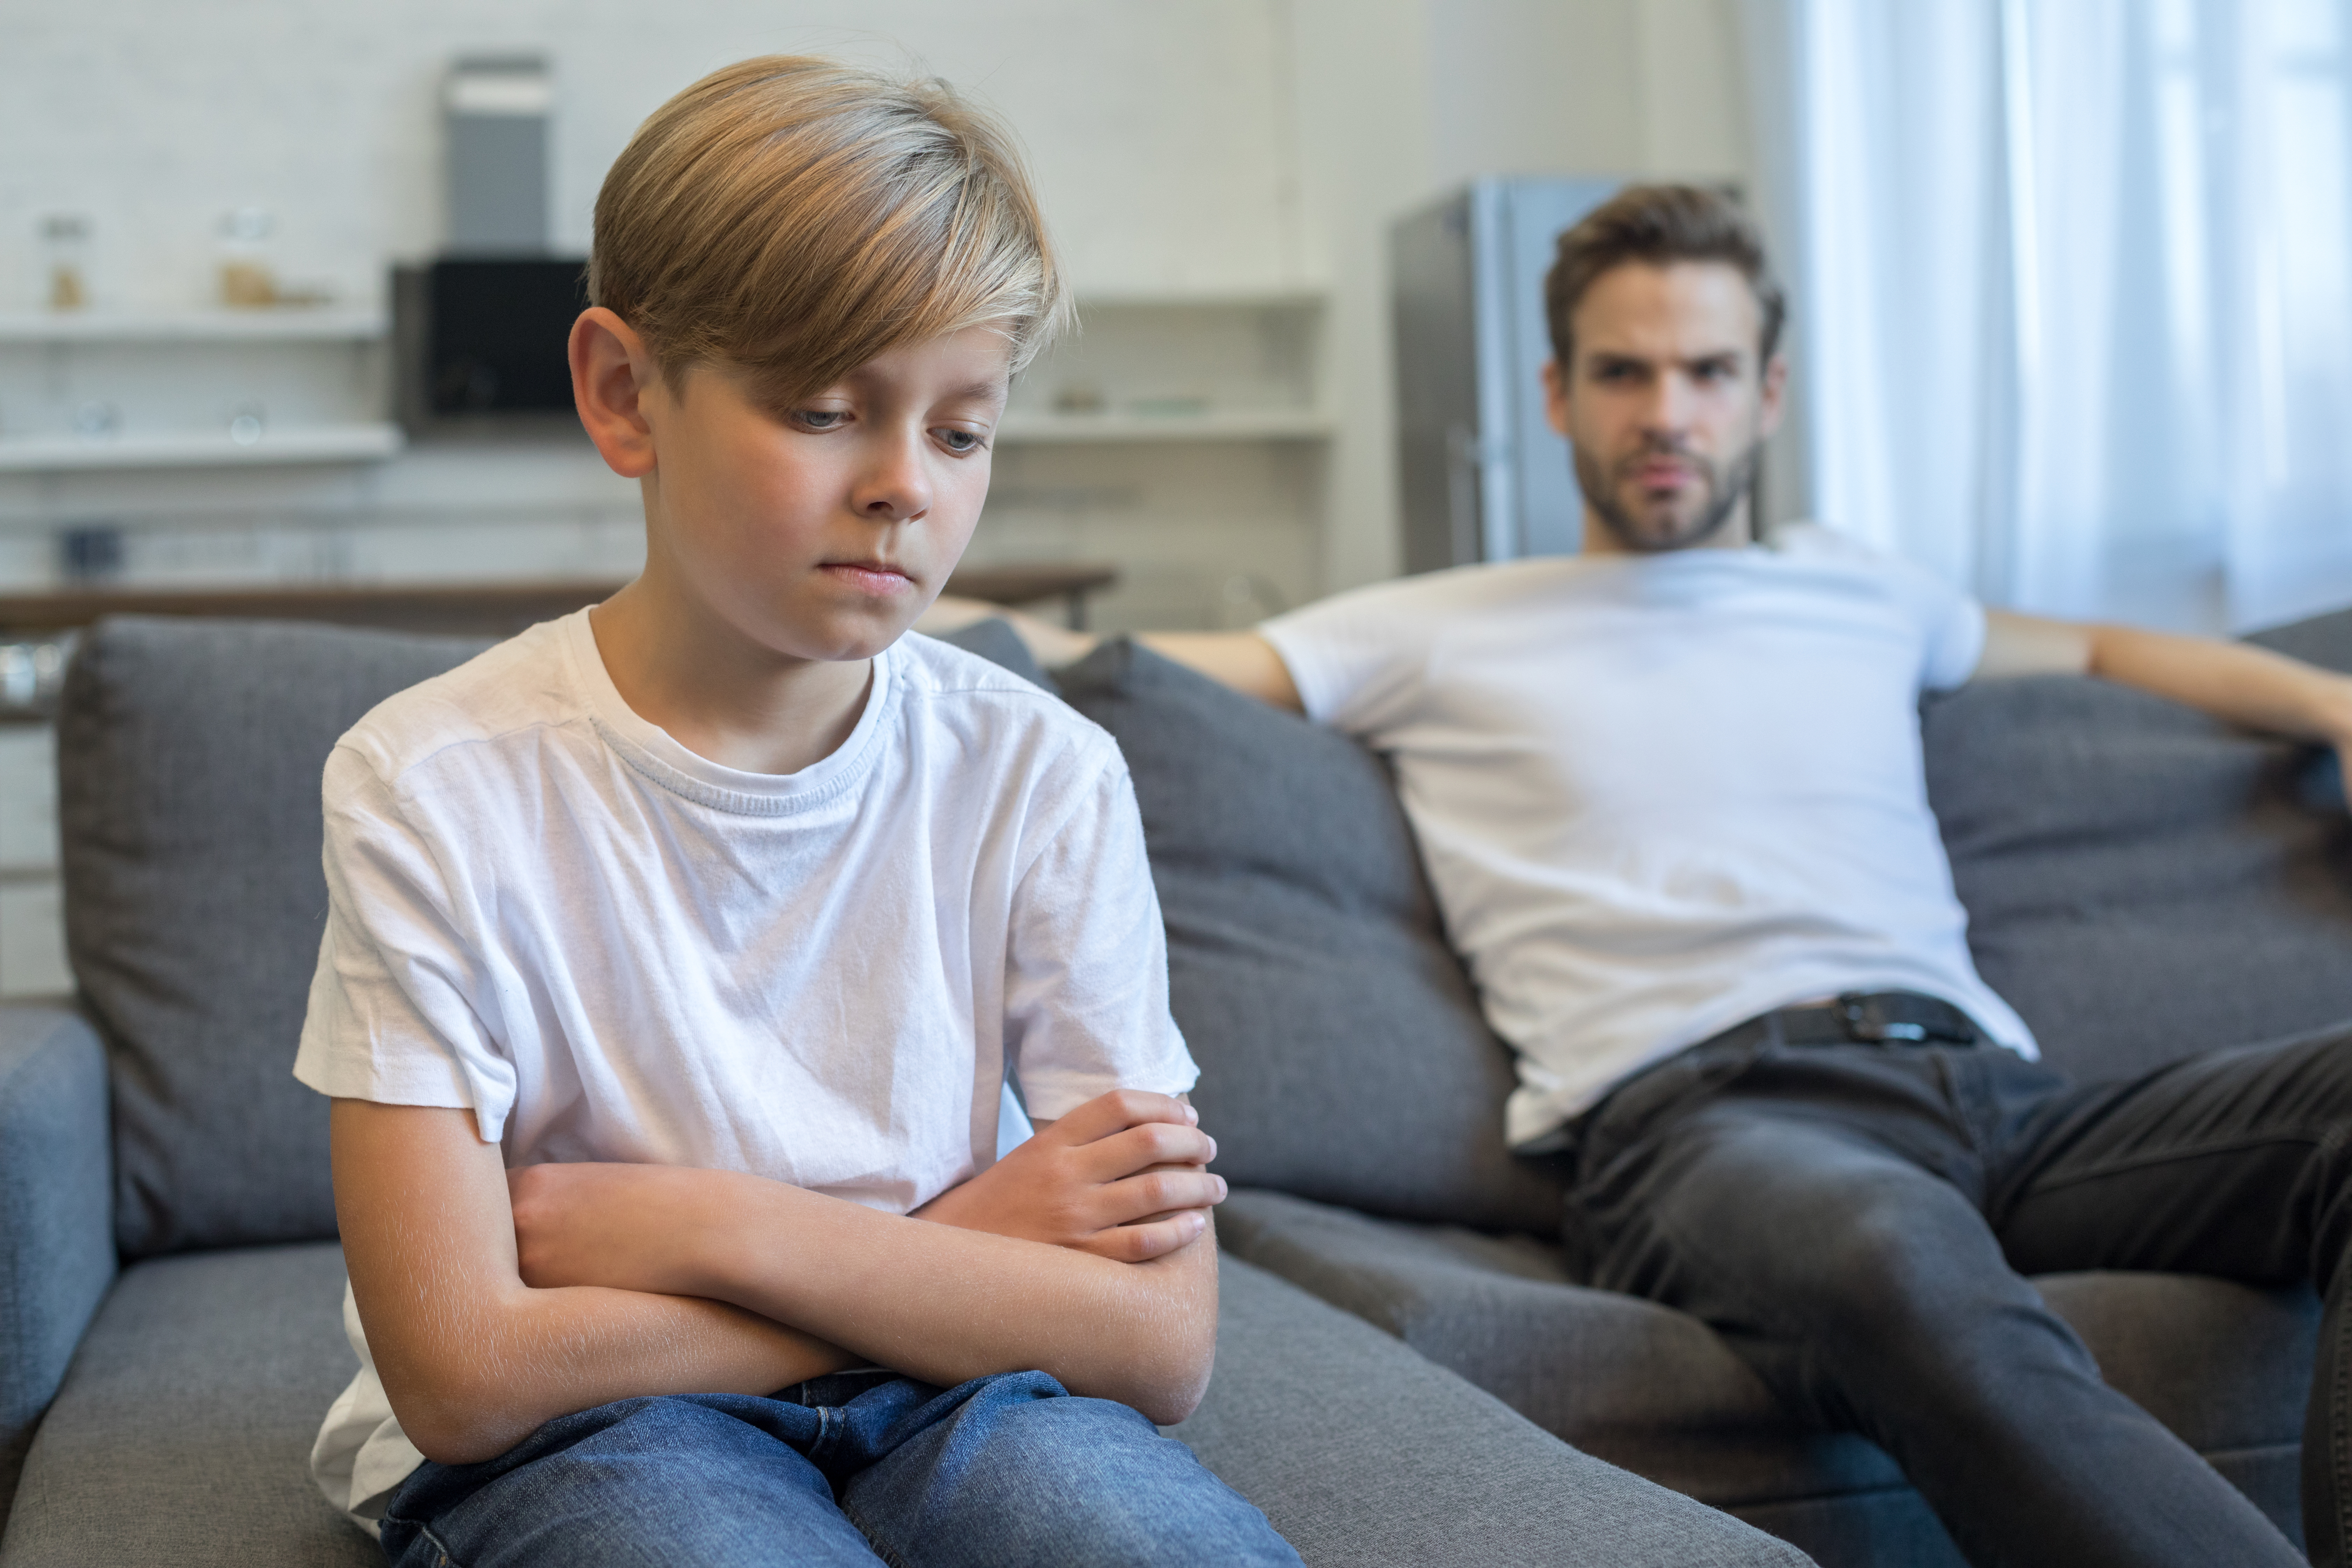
<point>897,488</point>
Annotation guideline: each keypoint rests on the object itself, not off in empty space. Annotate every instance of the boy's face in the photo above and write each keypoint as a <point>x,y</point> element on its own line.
<point>820,531</point>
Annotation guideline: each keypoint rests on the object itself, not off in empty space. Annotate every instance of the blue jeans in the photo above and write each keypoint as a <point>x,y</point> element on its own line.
<point>855,1469</point>
<point>1856,1222</point>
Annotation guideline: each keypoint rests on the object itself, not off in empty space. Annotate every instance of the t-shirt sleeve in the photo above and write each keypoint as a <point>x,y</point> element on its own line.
<point>1355,656</point>
<point>1950,622</point>
<point>396,1007</point>
<point>1086,991</point>
<point>1951,625</point>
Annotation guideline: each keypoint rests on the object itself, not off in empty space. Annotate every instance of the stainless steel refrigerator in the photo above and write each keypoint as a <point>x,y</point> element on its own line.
<point>1485,478</point>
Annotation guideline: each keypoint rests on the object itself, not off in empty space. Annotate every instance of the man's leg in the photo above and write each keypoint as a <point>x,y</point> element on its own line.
<point>1012,1470</point>
<point>2237,1163</point>
<point>704,1481</point>
<point>1820,1210</point>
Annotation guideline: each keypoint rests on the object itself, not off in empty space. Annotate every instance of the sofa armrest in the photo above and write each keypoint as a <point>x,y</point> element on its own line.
<point>56,1212</point>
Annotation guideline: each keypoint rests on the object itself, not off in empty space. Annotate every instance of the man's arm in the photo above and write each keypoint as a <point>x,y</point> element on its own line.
<point>472,1359</point>
<point>2231,681</point>
<point>1242,660</point>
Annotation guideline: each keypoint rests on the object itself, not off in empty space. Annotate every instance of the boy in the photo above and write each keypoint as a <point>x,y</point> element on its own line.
<point>678,949</point>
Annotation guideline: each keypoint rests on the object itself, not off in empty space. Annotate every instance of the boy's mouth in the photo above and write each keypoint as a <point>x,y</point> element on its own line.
<point>879,578</point>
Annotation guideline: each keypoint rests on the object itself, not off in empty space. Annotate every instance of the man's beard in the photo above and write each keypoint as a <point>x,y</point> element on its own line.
<point>1725,489</point>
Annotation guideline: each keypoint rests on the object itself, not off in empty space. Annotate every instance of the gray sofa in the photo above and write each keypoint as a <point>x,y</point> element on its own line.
<point>2142,884</point>
<point>168,1283</point>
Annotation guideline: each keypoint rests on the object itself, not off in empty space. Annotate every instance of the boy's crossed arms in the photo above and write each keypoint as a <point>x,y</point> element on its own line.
<point>496,1302</point>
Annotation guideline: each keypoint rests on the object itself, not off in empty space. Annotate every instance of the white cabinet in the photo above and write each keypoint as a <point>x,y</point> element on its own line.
<point>100,389</point>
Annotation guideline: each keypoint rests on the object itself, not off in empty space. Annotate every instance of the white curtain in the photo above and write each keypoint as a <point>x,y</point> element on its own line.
<point>2073,292</point>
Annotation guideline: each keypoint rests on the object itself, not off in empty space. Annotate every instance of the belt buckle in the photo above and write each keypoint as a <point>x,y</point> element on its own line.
<point>1865,1020</point>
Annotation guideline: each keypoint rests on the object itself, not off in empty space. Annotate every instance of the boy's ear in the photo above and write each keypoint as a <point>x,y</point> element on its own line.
<point>611,374</point>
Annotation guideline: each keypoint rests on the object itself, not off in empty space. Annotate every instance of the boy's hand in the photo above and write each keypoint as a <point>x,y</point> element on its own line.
<point>1120,1177</point>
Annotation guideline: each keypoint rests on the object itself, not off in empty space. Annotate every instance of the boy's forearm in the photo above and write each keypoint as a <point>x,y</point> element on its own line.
<point>529,1356</point>
<point>1141,1333</point>
<point>933,1301</point>
<point>471,1359</point>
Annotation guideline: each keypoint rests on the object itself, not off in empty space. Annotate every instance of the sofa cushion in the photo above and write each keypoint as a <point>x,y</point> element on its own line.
<point>2226,1366</point>
<point>188,760</point>
<point>1342,1055</point>
<point>183,1433</point>
<point>1363,1454</point>
<point>2141,882</point>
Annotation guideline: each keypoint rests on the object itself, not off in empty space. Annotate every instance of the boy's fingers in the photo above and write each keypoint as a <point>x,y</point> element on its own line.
<point>1142,1243</point>
<point>1140,1148</point>
<point>1119,1110</point>
<point>1160,1193</point>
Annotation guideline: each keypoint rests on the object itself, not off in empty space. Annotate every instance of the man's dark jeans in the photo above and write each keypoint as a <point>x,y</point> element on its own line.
<point>1855,1220</point>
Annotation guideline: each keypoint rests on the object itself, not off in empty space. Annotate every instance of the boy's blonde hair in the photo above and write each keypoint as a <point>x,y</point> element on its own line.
<point>790,218</point>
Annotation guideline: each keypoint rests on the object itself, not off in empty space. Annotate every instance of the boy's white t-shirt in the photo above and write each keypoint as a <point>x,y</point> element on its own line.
<point>1658,796</point>
<point>544,910</point>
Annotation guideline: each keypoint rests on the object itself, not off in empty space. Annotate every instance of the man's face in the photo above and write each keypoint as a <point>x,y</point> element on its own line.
<point>1665,405</point>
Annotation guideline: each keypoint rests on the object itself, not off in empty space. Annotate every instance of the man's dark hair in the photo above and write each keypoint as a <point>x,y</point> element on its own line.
<point>1657,225</point>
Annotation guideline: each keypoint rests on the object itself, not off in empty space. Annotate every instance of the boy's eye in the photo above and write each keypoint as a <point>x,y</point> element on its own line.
<point>956,441</point>
<point>820,418</point>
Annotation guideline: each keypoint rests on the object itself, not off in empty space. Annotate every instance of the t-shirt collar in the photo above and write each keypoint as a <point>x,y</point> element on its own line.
<point>654,752</point>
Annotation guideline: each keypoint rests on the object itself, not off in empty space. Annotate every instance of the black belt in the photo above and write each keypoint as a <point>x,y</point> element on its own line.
<point>1875,1018</point>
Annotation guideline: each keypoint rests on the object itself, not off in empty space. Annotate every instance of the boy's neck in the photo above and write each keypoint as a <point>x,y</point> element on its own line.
<point>679,666</point>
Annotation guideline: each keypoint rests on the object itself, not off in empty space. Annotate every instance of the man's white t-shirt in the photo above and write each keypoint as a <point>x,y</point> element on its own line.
<point>1661,795</point>
<point>544,910</point>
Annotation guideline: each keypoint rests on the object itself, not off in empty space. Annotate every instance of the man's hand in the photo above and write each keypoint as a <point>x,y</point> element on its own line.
<point>1120,1177</point>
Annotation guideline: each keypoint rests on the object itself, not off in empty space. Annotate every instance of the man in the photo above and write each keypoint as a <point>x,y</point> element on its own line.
<point>1670,795</point>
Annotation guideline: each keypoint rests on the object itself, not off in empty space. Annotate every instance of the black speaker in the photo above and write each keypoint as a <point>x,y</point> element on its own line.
<point>481,343</point>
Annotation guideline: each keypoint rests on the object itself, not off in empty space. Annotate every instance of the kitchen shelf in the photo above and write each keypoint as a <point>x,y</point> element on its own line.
<point>1217,425</point>
<point>303,444</point>
<point>285,323</point>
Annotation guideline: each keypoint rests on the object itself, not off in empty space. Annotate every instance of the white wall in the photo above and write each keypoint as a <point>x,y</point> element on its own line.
<point>1192,145</point>
<point>1155,130</point>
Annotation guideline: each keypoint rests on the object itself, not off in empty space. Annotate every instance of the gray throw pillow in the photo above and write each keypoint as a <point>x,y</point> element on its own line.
<point>995,640</point>
<point>188,760</point>
<point>1342,1056</point>
<point>2144,883</point>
